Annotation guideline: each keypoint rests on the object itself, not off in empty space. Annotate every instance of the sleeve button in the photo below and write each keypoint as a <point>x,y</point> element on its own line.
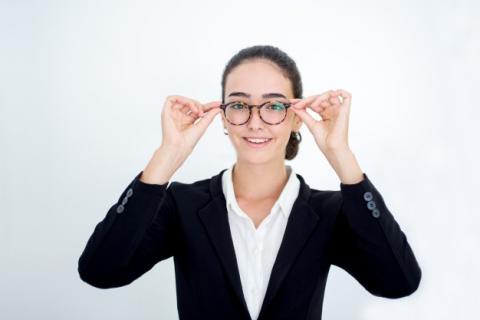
<point>371,205</point>
<point>376,213</point>
<point>124,201</point>
<point>129,192</point>
<point>120,209</point>
<point>367,196</point>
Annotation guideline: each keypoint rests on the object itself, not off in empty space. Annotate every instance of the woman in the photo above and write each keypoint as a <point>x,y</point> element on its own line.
<point>254,241</point>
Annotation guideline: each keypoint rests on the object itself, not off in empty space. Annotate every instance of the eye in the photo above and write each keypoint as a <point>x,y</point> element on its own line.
<point>237,105</point>
<point>277,106</point>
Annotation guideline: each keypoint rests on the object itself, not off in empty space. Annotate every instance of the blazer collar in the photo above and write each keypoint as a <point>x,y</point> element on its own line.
<point>301,222</point>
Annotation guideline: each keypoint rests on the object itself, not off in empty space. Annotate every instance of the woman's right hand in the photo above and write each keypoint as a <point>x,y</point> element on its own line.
<point>185,120</point>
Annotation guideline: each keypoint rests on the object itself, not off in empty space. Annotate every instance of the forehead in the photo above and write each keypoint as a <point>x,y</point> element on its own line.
<point>256,78</point>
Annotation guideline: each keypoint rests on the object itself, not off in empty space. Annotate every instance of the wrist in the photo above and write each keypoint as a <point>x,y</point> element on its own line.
<point>162,166</point>
<point>345,165</point>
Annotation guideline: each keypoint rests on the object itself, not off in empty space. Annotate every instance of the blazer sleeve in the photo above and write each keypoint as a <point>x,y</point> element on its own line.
<point>369,244</point>
<point>138,231</point>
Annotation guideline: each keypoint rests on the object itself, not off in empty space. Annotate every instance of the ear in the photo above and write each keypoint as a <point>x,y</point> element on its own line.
<point>297,123</point>
<point>223,120</point>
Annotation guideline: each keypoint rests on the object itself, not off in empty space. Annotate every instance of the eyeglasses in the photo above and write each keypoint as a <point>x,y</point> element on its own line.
<point>271,112</point>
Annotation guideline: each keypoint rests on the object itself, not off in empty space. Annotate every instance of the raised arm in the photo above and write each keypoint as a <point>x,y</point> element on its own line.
<point>142,227</point>
<point>369,244</point>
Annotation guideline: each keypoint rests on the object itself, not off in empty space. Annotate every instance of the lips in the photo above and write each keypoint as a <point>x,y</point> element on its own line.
<point>257,142</point>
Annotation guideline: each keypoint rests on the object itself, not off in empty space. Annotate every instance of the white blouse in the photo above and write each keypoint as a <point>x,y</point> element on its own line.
<point>257,248</point>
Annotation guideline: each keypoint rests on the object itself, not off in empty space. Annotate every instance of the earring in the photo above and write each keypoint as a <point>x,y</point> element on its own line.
<point>225,131</point>
<point>297,136</point>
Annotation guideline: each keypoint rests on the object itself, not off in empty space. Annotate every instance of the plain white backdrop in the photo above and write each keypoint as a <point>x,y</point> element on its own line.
<point>82,84</point>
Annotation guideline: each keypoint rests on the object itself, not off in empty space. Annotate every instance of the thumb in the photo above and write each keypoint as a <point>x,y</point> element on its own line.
<point>212,104</point>
<point>307,118</point>
<point>207,118</point>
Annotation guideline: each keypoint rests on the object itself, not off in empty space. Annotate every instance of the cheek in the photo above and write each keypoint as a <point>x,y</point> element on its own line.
<point>282,135</point>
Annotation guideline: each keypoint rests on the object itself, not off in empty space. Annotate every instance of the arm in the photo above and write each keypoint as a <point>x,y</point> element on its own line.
<point>143,227</point>
<point>129,242</point>
<point>369,244</point>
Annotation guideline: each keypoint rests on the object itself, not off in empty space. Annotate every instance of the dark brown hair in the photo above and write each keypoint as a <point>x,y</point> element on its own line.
<point>286,65</point>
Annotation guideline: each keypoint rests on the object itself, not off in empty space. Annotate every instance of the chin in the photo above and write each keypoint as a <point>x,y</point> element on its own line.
<point>256,154</point>
<point>255,157</point>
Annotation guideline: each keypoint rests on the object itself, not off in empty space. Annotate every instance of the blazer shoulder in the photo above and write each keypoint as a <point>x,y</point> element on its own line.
<point>318,197</point>
<point>191,192</point>
<point>325,200</point>
<point>196,186</point>
<point>324,195</point>
<point>206,186</point>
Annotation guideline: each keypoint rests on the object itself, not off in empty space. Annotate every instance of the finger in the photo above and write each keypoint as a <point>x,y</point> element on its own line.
<point>320,104</point>
<point>198,107</point>
<point>344,111</point>
<point>326,114</point>
<point>185,108</point>
<point>344,94</point>
<point>189,117</point>
<point>207,106</point>
<point>205,121</point>
<point>306,117</point>
<point>210,105</point>
<point>186,111</point>
<point>194,107</point>
<point>180,102</point>
<point>192,114</point>
<point>306,102</point>
<point>335,100</point>
<point>177,102</point>
<point>294,100</point>
<point>325,103</point>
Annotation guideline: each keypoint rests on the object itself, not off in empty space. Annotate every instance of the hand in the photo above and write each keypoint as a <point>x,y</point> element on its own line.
<point>180,128</point>
<point>333,106</point>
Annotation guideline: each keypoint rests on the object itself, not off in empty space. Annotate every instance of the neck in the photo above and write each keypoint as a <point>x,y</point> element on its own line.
<point>257,182</point>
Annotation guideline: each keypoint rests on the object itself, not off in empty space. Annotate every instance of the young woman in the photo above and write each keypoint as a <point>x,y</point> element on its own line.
<point>254,241</point>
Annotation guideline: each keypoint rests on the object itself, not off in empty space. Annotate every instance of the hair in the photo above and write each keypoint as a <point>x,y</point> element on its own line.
<point>288,68</point>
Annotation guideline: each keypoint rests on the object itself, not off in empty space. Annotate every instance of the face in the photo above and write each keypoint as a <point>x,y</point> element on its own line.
<point>256,82</point>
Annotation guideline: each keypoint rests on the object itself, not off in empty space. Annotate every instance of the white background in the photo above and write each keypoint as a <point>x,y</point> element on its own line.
<point>82,84</point>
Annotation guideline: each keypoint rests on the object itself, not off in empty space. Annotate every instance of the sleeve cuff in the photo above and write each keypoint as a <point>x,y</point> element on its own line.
<point>348,187</point>
<point>149,187</point>
<point>365,190</point>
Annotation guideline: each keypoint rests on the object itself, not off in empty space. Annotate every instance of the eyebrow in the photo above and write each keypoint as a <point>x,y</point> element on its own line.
<point>265,96</point>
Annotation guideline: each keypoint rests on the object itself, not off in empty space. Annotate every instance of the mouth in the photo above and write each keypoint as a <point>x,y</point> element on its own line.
<point>257,142</point>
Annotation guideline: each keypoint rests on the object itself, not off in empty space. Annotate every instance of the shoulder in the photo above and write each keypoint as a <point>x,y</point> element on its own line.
<point>199,186</point>
<point>319,198</point>
<point>325,200</point>
<point>198,190</point>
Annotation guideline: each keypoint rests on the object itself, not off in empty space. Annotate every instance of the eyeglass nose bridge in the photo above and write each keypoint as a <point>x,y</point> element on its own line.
<point>259,107</point>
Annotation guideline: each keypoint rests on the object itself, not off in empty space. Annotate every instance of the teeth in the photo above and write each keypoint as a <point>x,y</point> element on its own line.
<point>257,140</point>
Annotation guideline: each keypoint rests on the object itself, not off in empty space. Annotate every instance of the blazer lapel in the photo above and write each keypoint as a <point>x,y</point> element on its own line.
<point>214,217</point>
<point>301,222</point>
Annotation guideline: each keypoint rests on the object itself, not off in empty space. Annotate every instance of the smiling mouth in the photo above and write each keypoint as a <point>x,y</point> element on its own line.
<point>257,142</point>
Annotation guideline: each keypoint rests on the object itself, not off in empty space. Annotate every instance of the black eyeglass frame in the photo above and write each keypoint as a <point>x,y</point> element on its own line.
<point>224,106</point>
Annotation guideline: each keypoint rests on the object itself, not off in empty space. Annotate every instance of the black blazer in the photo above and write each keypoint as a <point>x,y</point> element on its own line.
<point>351,228</point>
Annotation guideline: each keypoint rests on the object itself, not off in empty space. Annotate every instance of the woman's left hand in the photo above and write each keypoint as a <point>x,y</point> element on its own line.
<point>331,131</point>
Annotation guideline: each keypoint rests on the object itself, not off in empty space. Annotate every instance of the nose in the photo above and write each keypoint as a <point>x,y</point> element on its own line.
<point>255,121</point>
